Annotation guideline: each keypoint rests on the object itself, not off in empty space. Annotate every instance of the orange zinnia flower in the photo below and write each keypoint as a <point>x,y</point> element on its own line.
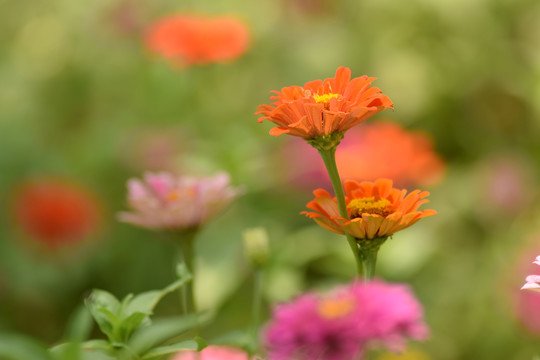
<point>376,209</point>
<point>324,107</point>
<point>190,39</point>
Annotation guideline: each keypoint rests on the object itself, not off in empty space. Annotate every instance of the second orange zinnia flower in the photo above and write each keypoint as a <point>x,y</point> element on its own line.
<point>324,107</point>
<point>376,209</point>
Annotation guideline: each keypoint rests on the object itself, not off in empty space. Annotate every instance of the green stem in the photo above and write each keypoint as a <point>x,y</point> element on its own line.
<point>329,158</point>
<point>187,242</point>
<point>256,307</point>
<point>369,263</point>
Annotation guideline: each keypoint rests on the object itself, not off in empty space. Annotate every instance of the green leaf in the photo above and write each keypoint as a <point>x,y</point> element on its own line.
<point>79,326</point>
<point>239,338</point>
<point>66,351</point>
<point>17,347</point>
<point>104,306</point>
<point>147,301</point>
<point>125,328</point>
<point>123,305</point>
<point>183,273</point>
<point>103,299</point>
<point>107,322</point>
<point>201,344</point>
<point>173,348</point>
<point>96,344</point>
<point>147,337</point>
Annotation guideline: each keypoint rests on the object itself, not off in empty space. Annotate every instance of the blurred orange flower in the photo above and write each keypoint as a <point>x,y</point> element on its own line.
<point>376,209</point>
<point>386,150</point>
<point>56,212</point>
<point>324,107</point>
<point>192,39</point>
<point>369,152</point>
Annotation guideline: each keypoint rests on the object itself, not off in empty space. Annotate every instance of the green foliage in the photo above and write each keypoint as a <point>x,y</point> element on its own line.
<point>118,320</point>
<point>17,347</point>
<point>130,332</point>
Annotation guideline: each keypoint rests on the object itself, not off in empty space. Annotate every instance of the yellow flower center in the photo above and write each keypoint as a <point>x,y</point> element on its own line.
<point>324,98</point>
<point>174,195</point>
<point>335,308</point>
<point>360,206</point>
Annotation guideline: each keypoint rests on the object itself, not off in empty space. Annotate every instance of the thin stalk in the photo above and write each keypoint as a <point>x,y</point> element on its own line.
<point>329,158</point>
<point>187,242</point>
<point>256,307</point>
<point>369,263</point>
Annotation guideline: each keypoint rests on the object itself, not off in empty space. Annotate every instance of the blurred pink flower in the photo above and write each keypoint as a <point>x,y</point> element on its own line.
<point>371,151</point>
<point>533,281</point>
<point>507,184</point>
<point>166,201</point>
<point>213,352</point>
<point>341,325</point>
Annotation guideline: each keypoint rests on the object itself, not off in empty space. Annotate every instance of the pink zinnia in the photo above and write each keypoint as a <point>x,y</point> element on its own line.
<point>166,201</point>
<point>533,281</point>
<point>341,325</point>
<point>213,352</point>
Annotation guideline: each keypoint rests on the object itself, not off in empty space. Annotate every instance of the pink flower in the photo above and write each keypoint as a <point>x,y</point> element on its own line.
<point>213,352</point>
<point>341,325</point>
<point>533,281</point>
<point>166,201</point>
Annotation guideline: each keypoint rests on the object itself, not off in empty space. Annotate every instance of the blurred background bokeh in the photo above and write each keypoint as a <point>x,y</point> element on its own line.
<point>86,103</point>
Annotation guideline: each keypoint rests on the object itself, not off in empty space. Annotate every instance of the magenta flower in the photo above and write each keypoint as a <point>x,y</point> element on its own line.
<point>213,352</point>
<point>343,324</point>
<point>533,281</point>
<point>166,201</point>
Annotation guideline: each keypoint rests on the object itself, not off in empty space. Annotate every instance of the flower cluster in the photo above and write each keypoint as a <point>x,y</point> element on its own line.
<point>345,323</point>
<point>166,201</point>
<point>376,209</point>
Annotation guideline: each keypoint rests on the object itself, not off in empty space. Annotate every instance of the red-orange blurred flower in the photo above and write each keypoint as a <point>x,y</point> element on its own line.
<point>386,150</point>
<point>56,212</point>
<point>324,107</point>
<point>376,209</point>
<point>192,39</point>
<point>372,151</point>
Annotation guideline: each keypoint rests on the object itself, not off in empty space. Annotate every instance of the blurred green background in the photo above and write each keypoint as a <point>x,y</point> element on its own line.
<point>82,99</point>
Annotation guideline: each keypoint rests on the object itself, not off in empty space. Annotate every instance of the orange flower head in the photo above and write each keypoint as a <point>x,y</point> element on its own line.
<point>376,209</point>
<point>189,39</point>
<point>56,212</point>
<point>321,108</point>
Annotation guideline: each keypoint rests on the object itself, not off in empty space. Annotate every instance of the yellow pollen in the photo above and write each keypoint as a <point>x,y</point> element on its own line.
<point>368,205</point>
<point>335,308</point>
<point>177,194</point>
<point>324,98</point>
